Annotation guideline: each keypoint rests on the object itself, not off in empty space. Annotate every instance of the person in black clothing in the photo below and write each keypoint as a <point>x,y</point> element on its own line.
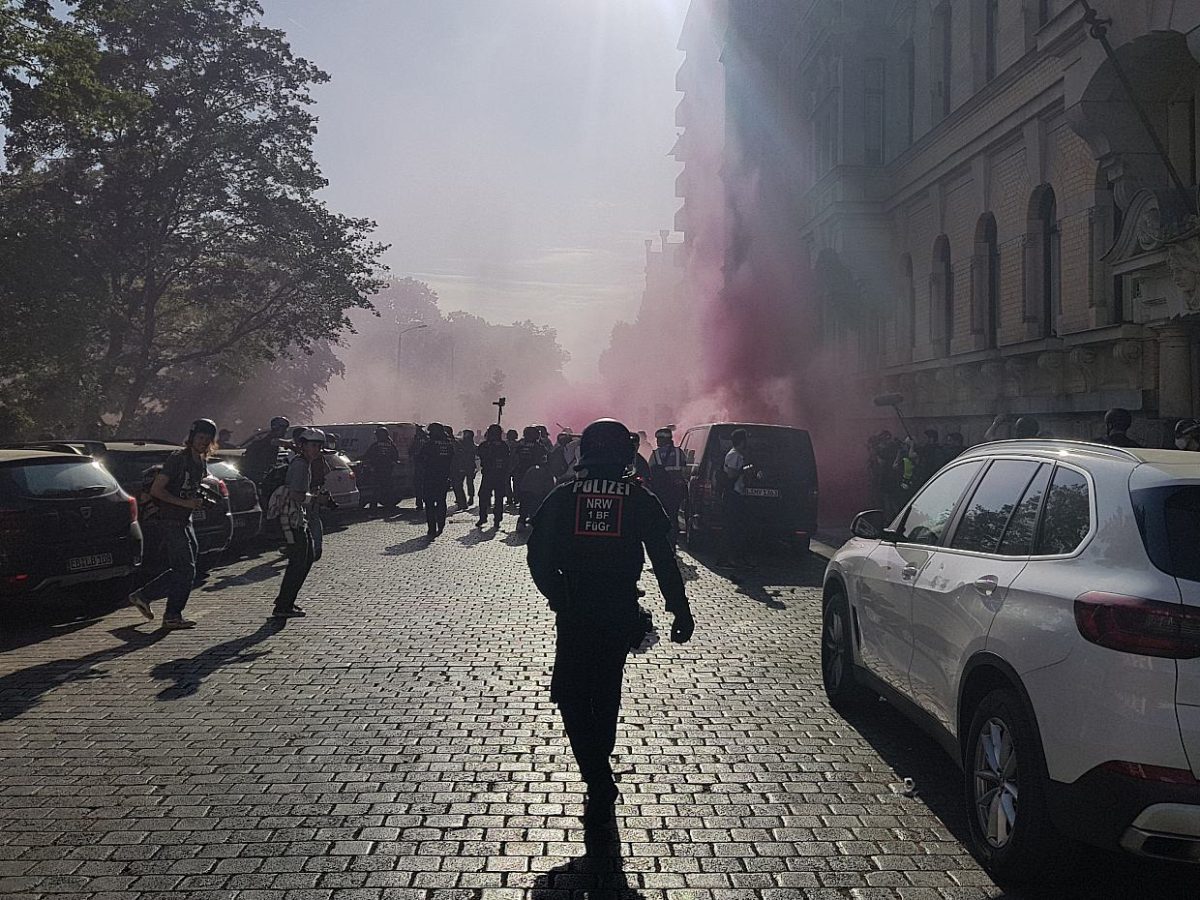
<point>464,470</point>
<point>379,469</point>
<point>1117,421</point>
<point>585,555</point>
<point>436,460</point>
<point>668,475</point>
<point>262,452</point>
<point>493,486</point>
<point>420,437</point>
<point>176,494</point>
<point>527,453</point>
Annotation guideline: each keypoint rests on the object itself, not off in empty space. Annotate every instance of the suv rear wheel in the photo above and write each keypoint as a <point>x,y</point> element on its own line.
<point>1004,787</point>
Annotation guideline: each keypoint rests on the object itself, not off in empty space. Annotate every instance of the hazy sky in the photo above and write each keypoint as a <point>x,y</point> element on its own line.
<point>513,152</point>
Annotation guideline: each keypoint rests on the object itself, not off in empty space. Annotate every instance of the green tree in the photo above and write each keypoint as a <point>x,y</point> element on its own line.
<point>169,226</point>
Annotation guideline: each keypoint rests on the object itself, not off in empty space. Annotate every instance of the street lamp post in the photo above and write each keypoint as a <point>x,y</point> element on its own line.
<point>400,339</point>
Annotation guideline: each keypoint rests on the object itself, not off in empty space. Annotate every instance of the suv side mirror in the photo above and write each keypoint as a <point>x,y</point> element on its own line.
<point>869,525</point>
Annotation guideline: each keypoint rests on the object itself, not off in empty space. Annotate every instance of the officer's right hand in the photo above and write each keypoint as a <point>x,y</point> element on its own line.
<point>682,628</point>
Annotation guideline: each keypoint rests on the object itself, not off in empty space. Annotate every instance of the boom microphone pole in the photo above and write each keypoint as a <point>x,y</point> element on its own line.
<point>894,401</point>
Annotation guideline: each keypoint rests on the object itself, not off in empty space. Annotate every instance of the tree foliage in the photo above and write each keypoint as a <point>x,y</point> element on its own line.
<point>158,215</point>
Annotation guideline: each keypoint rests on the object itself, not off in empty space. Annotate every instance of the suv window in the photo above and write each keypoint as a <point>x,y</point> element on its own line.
<point>929,515</point>
<point>992,505</point>
<point>49,480</point>
<point>1169,521</point>
<point>1067,518</point>
<point>1018,538</point>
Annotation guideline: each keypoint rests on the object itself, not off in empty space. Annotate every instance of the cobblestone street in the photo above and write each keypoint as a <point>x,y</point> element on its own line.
<point>400,743</point>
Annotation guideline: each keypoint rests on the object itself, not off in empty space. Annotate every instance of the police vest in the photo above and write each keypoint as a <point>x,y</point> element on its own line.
<point>671,460</point>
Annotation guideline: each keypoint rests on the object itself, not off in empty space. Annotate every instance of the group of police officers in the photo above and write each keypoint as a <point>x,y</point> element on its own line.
<point>597,507</point>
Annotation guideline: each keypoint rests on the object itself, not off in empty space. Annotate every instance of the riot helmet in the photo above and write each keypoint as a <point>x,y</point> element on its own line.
<point>607,443</point>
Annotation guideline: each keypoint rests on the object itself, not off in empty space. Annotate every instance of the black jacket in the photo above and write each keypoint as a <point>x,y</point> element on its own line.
<point>586,548</point>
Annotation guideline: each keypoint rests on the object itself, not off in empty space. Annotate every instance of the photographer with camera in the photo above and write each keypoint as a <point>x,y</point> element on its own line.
<point>589,543</point>
<point>177,491</point>
<point>294,506</point>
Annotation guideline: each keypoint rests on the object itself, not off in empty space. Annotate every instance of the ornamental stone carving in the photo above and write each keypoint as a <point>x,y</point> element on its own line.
<point>1127,353</point>
<point>1183,258</point>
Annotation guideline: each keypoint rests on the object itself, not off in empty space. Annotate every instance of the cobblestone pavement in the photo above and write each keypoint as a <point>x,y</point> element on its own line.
<point>399,743</point>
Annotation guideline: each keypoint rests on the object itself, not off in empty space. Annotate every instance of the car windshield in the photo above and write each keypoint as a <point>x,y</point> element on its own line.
<point>1169,521</point>
<point>55,479</point>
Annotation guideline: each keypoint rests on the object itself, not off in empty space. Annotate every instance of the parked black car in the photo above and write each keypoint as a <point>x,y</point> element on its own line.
<point>783,500</point>
<point>64,520</point>
<point>127,460</point>
<point>243,500</point>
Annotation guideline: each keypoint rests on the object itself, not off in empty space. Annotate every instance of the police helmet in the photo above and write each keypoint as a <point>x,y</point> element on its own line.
<point>280,422</point>
<point>1118,419</point>
<point>607,442</point>
<point>203,426</point>
<point>494,433</point>
<point>531,433</point>
<point>664,433</point>
<point>315,435</point>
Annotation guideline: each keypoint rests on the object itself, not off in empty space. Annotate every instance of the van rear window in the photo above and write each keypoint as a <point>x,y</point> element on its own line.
<point>1169,521</point>
<point>54,480</point>
<point>782,453</point>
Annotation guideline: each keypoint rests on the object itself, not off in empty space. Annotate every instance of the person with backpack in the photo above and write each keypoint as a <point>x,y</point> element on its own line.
<point>292,504</point>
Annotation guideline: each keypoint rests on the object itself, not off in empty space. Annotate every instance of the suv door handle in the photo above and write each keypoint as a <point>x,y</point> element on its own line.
<point>908,572</point>
<point>987,585</point>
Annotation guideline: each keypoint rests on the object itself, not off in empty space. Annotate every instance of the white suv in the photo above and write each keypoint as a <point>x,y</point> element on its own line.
<point>1037,607</point>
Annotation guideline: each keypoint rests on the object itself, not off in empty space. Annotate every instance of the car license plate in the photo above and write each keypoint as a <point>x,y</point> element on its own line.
<point>199,515</point>
<point>762,492</point>
<point>95,561</point>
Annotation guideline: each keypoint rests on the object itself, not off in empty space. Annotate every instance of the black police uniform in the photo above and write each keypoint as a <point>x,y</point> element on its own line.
<point>585,555</point>
<point>493,486</point>
<point>436,459</point>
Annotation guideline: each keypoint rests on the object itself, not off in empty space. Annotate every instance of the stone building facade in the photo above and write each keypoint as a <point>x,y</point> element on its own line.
<point>970,198</point>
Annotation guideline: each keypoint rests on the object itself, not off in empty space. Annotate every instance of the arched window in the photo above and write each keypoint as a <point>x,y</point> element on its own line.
<point>986,283</point>
<point>941,295</point>
<point>1044,266</point>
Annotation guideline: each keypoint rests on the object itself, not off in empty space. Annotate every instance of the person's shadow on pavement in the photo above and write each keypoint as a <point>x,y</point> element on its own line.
<point>476,536</point>
<point>600,871</point>
<point>412,545</point>
<point>21,690</point>
<point>261,572</point>
<point>189,674</point>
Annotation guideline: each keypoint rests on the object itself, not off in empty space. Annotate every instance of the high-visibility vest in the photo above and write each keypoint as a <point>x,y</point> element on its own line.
<point>674,462</point>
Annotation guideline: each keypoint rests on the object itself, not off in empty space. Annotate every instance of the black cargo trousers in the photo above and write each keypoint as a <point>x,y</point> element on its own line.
<point>589,667</point>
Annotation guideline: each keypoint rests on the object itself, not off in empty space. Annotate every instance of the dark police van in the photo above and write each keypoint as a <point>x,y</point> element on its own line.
<point>782,500</point>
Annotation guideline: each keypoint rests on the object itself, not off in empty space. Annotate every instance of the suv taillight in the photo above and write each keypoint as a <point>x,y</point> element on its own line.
<point>223,487</point>
<point>1136,625</point>
<point>133,509</point>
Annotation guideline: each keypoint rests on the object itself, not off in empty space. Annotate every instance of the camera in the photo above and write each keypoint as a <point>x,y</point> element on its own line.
<point>207,496</point>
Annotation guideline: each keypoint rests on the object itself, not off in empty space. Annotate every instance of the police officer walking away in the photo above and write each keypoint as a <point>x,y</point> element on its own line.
<point>493,486</point>
<point>668,467</point>
<point>586,555</point>
<point>176,492</point>
<point>436,460</point>
<point>464,470</point>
